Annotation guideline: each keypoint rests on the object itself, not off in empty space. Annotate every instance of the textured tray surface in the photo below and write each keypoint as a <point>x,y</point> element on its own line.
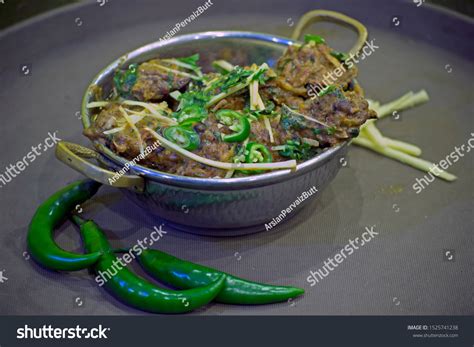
<point>401,271</point>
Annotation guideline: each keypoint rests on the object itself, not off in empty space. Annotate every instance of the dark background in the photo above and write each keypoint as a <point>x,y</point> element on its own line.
<point>13,11</point>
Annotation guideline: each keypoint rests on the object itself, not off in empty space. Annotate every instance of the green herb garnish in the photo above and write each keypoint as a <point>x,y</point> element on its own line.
<point>234,77</point>
<point>295,149</point>
<point>124,80</point>
<point>289,121</point>
<point>314,38</point>
<point>332,89</point>
<point>191,60</point>
<point>192,107</point>
<point>331,130</point>
<point>342,57</point>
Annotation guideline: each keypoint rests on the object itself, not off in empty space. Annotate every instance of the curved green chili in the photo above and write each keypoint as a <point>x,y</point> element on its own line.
<point>237,122</point>
<point>183,137</point>
<point>256,153</point>
<point>191,115</point>
<point>134,290</point>
<point>184,275</point>
<point>49,214</point>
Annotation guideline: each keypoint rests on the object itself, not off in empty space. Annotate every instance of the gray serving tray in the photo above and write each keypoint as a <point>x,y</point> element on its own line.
<point>405,269</point>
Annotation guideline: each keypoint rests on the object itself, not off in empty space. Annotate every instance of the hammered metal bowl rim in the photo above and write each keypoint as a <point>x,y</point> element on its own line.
<point>196,182</point>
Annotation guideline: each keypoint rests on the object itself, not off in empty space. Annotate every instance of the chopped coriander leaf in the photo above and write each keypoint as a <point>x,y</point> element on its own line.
<point>270,106</point>
<point>332,89</point>
<point>327,90</point>
<point>260,76</point>
<point>234,77</point>
<point>269,110</point>
<point>331,130</point>
<point>192,98</point>
<point>189,63</point>
<point>124,80</point>
<point>289,121</point>
<point>191,60</point>
<point>342,57</point>
<point>314,38</point>
<point>170,79</point>
<point>234,81</point>
<point>296,149</point>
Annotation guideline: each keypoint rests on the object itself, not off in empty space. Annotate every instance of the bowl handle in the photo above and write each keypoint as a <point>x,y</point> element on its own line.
<point>75,156</point>
<point>335,17</point>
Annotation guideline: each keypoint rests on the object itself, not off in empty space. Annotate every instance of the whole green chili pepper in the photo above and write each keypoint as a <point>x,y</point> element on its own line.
<point>236,122</point>
<point>134,290</point>
<point>183,274</point>
<point>183,137</point>
<point>49,214</point>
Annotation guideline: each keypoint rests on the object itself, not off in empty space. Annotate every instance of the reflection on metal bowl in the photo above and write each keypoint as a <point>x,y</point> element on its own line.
<point>211,206</point>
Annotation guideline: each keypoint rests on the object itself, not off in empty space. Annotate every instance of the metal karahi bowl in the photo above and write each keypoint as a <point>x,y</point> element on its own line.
<point>211,206</point>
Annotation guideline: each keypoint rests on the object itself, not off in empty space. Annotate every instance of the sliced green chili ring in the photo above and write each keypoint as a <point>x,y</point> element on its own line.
<point>183,137</point>
<point>185,275</point>
<point>257,153</point>
<point>136,291</point>
<point>236,122</point>
<point>191,115</point>
<point>315,38</point>
<point>50,214</point>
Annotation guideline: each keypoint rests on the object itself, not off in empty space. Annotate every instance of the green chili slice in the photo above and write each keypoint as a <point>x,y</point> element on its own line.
<point>257,153</point>
<point>183,137</point>
<point>191,115</point>
<point>237,122</point>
